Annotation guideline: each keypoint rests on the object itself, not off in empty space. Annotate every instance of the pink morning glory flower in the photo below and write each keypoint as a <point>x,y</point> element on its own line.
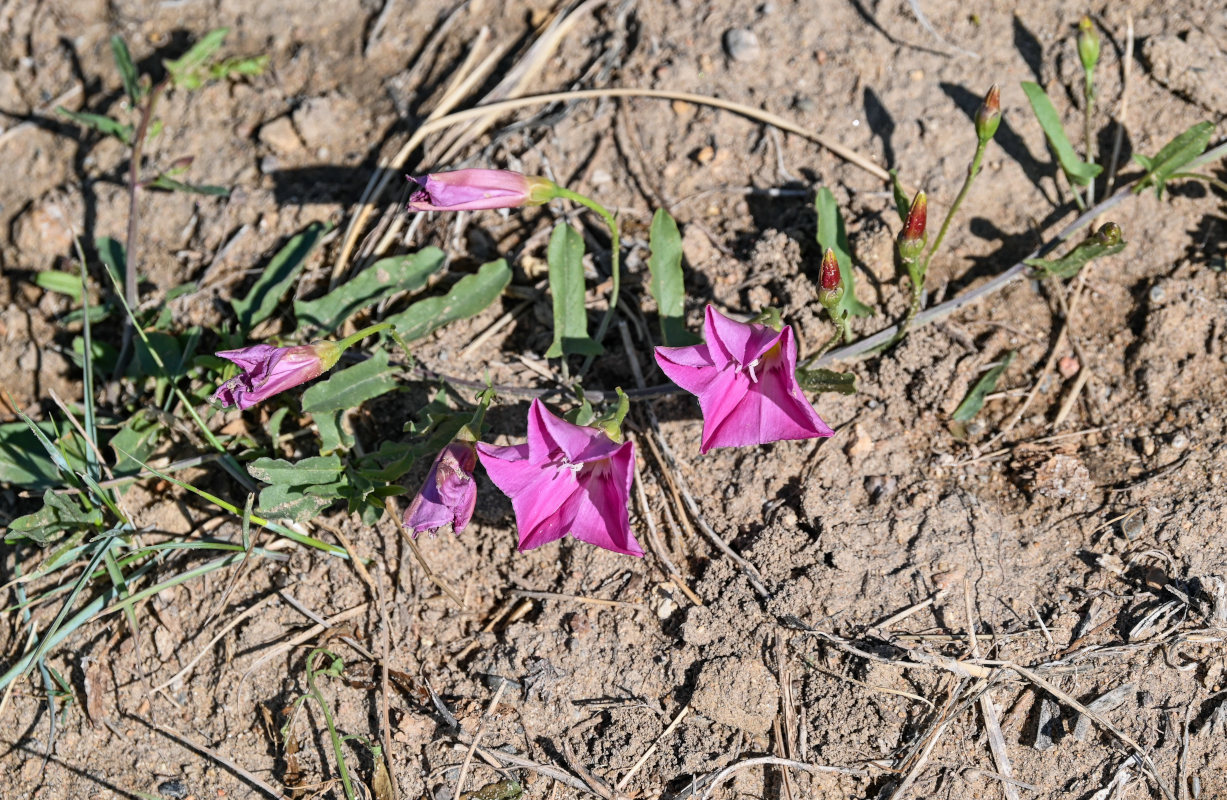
<point>566,479</point>
<point>474,189</point>
<point>745,378</point>
<point>448,494</point>
<point>268,370</point>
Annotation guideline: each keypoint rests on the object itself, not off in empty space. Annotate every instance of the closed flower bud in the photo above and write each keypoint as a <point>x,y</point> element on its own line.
<point>1109,234</point>
<point>475,189</point>
<point>912,238</point>
<point>988,117</point>
<point>1088,44</point>
<point>831,287</point>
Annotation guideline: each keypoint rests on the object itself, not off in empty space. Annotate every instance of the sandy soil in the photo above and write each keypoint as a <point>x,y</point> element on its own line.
<point>1092,551</point>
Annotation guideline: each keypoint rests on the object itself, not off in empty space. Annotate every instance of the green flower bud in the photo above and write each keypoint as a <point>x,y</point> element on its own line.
<point>988,117</point>
<point>1088,44</point>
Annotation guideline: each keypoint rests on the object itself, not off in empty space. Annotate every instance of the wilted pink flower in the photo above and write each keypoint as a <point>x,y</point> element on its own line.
<point>448,494</point>
<point>744,376</point>
<point>268,370</point>
<point>566,479</point>
<point>474,189</point>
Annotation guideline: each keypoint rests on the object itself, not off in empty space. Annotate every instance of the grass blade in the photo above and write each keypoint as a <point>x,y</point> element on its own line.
<point>1076,170</point>
<point>667,285</point>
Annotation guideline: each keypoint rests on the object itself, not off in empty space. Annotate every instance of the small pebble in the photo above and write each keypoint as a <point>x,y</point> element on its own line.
<point>1180,441</point>
<point>1157,294</point>
<point>173,789</point>
<point>1132,528</point>
<point>1068,367</point>
<point>741,44</point>
<point>1148,446</point>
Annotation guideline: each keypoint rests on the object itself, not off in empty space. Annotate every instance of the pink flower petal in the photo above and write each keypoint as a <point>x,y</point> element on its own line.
<point>602,518</point>
<point>549,435</point>
<point>737,341</point>
<point>689,367</point>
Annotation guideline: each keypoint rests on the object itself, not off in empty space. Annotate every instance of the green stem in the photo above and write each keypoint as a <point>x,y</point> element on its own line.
<point>351,340</point>
<point>332,727</point>
<point>1089,108</point>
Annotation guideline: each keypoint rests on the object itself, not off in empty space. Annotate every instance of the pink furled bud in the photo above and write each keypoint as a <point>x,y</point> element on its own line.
<point>831,286</point>
<point>268,370</point>
<point>566,479</point>
<point>449,494</point>
<point>475,189</point>
<point>988,116</point>
<point>745,379</point>
<point>912,237</point>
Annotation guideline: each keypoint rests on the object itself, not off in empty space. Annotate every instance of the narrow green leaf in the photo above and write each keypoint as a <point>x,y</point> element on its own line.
<point>172,185</point>
<point>974,401</point>
<point>99,122</point>
<point>316,469</point>
<point>833,235</point>
<point>1174,156</point>
<point>826,380</point>
<point>60,282</point>
<point>667,284</point>
<point>902,204</point>
<point>278,277</point>
<point>406,273</point>
<point>565,257</point>
<point>1067,266</point>
<point>471,295</point>
<point>350,387</point>
<point>1078,171</point>
<point>188,71</point>
<point>127,70</point>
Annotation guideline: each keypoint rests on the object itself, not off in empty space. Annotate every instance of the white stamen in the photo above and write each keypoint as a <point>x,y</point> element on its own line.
<point>750,367</point>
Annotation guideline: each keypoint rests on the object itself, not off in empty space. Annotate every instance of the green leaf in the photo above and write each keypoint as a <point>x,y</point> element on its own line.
<point>60,282</point>
<point>667,285</point>
<point>902,204</point>
<point>833,236</point>
<point>1174,156</point>
<point>306,472</point>
<point>974,401</point>
<point>333,437</point>
<point>188,71</point>
<point>387,276</point>
<point>23,462</point>
<point>291,502</point>
<point>826,380</point>
<point>60,512</point>
<point>232,67</point>
<point>111,252</point>
<point>1067,266</point>
<point>469,296</point>
<point>172,185</point>
<point>565,257</point>
<point>1078,171</point>
<point>351,387</point>
<point>127,70</point>
<point>136,441</point>
<point>99,122</point>
<point>278,277</point>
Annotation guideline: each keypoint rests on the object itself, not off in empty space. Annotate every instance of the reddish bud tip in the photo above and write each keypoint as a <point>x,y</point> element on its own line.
<point>917,215</point>
<point>830,270</point>
<point>988,117</point>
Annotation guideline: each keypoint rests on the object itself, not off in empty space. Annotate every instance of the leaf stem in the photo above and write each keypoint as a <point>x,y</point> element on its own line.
<point>352,339</point>
<point>1087,132</point>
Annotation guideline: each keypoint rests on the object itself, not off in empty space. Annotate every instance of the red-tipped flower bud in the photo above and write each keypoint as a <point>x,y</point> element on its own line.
<point>831,286</point>
<point>988,117</point>
<point>1088,44</point>
<point>912,237</point>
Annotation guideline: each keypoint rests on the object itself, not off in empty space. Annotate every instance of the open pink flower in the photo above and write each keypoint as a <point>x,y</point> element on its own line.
<point>566,479</point>
<point>268,370</point>
<point>745,378</point>
<point>448,494</point>
<point>474,189</point>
